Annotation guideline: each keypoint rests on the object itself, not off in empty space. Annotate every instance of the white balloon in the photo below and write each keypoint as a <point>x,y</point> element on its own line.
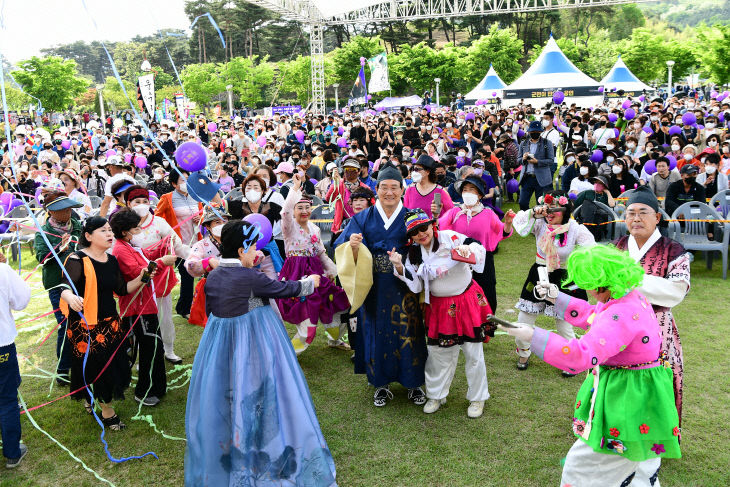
<point>118,122</point>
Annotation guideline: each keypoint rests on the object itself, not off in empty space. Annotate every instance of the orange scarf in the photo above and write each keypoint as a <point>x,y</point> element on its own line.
<point>91,303</point>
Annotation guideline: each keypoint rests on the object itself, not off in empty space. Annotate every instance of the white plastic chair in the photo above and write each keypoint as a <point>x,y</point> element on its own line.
<point>694,234</point>
<point>721,202</point>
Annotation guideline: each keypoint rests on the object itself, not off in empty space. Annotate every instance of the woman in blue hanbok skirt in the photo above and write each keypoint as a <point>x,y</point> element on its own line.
<point>250,420</point>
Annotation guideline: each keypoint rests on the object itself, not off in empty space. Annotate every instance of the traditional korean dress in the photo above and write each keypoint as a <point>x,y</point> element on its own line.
<point>250,418</point>
<point>624,411</point>
<point>393,335</point>
<point>665,285</point>
<point>456,314</point>
<point>197,266</point>
<point>306,255</point>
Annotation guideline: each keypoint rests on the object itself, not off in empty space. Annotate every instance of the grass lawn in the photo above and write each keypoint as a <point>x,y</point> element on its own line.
<point>525,430</point>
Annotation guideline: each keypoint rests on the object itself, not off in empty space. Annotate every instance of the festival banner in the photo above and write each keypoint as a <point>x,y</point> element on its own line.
<point>379,80</point>
<point>146,85</point>
<point>166,108</point>
<point>180,103</point>
<point>358,94</point>
<point>548,92</point>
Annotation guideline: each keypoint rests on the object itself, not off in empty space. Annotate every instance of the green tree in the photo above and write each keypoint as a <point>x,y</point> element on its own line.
<point>713,49</point>
<point>295,77</point>
<point>17,100</point>
<point>249,78</point>
<point>113,95</point>
<point>647,52</point>
<point>52,80</point>
<point>346,59</point>
<point>415,68</point>
<point>501,48</point>
<point>202,82</point>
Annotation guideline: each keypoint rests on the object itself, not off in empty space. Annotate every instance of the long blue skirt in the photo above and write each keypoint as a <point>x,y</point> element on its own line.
<point>250,420</point>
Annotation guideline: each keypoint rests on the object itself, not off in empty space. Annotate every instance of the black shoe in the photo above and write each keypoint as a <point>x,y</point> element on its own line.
<point>148,401</point>
<point>567,374</point>
<point>522,365</point>
<point>62,379</point>
<point>382,396</point>
<point>417,396</point>
<point>14,462</point>
<point>352,358</point>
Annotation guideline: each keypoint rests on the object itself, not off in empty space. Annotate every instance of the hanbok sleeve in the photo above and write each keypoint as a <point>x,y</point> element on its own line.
<point>264,287</point>
<point>524,223</point>
<point>181,250</point>
<point>410,277</point>
<point>575,311</point>
<point>584,236</point>
<point>287,213</point>
<point>668,291</point>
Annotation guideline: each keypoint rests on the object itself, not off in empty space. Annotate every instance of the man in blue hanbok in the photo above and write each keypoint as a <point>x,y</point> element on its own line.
<point>393,337</point>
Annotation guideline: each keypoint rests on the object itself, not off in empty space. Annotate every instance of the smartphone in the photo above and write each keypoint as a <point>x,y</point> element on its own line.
<point>437,201</point>
<point>500,321</point>
<point>148,272</point>
<point>543,275</point>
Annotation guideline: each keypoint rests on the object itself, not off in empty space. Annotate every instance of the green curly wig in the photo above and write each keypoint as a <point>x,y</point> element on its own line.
<point>604,266</point>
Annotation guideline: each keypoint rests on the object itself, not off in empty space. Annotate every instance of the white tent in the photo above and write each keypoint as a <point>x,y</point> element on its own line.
<point>621,78</point>
<point>553,71</point>
<point>489,88</point>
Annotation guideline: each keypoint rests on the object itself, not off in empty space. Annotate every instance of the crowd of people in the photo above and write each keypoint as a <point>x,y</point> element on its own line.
<point>399,270</point>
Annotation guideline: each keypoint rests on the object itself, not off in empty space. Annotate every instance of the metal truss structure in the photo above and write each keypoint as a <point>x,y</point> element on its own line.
<point>307,12</point>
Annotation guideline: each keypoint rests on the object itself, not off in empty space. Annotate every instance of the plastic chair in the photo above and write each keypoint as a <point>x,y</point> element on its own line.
<point>324,215</point>
<point>95,202</point>
<point>612,228</point>
<point>235,194</point>
<point>693,235</point>
<point>16,238</point>
<point>721,202</point>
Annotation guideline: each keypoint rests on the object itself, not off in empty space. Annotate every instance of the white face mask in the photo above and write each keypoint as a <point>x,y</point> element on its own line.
<point>725,149</point>
<point>577,137</point>
<point>183,187</point>
<point>584,171</point>
<point>216,231</point>
<point>356,124</point>
<point>416,177</point>
<point>688,157</point>
<point>253,196</point>
<point>449,125</point>
<point>610,146</point>
<point>617,169</point>
<point>462,154</point>
<point>497,133</point>
<point>470,199</point>
<point>570,159</point>
<point>610,159</point>
<point>406,153</point>
<point>654,119</point>
<point>710,169</point>
<point>709,125</point>
<point>637,126</point>
<point>545,123</point>
<point>675,147</point>
<point>157,176</point>
<point>712,143</point>
<point>142,210</point>
<point>137,240</point>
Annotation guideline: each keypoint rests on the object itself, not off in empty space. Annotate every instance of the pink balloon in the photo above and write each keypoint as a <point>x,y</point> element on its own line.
<point>128,157</point>
<point>342,142</point>
<point>140,162</point>
<point>110,152</point>
<point>212,127</point>
<point>66,144</point>
<point>261,140</point>
<point>300,136</point>
<point>494,93</point>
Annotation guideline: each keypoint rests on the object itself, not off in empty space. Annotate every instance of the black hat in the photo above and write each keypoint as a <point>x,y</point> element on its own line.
<point>535,126</point>
<point>599,179</point>
<point>475,180</point>
<point>389,171</point>
<point>689,169</point>
<point>643,194</point>
<point>426,161</point>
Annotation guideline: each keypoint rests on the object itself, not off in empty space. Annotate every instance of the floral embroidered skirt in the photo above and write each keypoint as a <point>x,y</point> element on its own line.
<point>633,414</point>
<point>326,300</point>
<point>453,320</point>
<point>100,342</point>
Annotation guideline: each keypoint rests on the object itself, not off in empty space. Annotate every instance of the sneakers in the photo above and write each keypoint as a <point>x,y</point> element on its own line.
<point>382,396</point>
<point>523,365</point>
<point>148,401</point>
<point>172,358</point>
<point>476,408</point>
<point>14,462</point>
<point>567,374</point>
<point>338,344</point>
<point>433,405</point>
<point>417,396</point>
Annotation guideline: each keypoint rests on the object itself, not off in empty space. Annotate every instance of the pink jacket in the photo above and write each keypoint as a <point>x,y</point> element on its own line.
<point>622,331</point>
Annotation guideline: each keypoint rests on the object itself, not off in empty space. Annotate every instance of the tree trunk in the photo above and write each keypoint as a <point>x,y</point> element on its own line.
<point>205,53</point>
<point>445,26</point>
<point>200,48</point>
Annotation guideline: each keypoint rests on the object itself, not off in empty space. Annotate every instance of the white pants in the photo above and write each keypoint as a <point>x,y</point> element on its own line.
<point>441,366</point>
<point>167,327</point>
<point>565,330</point>
<point>586,468</point>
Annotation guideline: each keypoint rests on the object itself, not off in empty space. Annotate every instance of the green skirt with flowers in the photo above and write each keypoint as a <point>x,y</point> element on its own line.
<point>633,413</point>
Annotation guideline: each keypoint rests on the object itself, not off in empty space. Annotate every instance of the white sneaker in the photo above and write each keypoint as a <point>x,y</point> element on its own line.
<point>433,405</point>
<point>172,358</point>
<point>476,408</point>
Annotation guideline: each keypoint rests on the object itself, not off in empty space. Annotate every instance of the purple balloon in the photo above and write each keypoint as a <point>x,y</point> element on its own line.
<point>513,186</point>
<point>675,130</point>
<point>520,133</point>
<point>647,130</point>
<point>212,127</point>
<point>601,89</point>
<point>642,98</point>
<point>191,156</point>
<point>650,166</point>
<point>494,94</point>
<point>672,161</point>
<point>66,144</point>
<point>140,162</point>
<point>5,199</point>
<point>597,155</point>
<point>4,226</point>
<point>558,97</point>
<point>469,116</point>
<point>428,108</point>
<point>626,104</point>
<point>629,114</point>
<point>300,136</point>
<point>110,152</point>
<point>128,157</point>
<point>617,132</point>
<point>699,127</point>
<point>342,142</point>
<point>264,226</point>
<point>38,192</point>
<point>612,117</point>
<point>721,116</point>
<point>340,130</point>
<point>689,118</point>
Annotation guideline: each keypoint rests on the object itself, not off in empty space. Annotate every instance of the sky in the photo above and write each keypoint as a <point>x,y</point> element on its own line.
<point>31,25</point>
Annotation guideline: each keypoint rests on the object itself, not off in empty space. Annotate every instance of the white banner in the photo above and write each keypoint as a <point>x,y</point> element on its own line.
<point>379,80</point>
<point>180,102</point>
<point>147,90</point>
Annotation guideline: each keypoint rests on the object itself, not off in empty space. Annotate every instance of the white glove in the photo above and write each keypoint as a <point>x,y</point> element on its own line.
<point>547,292</point>
<point>523,332</point>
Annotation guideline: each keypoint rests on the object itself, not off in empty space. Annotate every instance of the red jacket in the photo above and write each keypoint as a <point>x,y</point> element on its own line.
<point>165,210</point>
<point>131,263</point>
<point>340,196</point>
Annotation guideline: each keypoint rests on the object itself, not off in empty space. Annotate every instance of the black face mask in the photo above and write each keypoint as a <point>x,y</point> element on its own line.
<point>534,135</point>
<point>690,181</point>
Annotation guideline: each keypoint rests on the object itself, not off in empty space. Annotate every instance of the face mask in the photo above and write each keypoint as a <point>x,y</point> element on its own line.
<point>216,231</point>
<point>416,177</point>
<point>688,157</point>
<point>675,147</point>
<point>497,133</point>
<point>654,119</point>
<point>137,240</point>
<point>710,169</point>
<point>449,125</point>
<point>183,187</point>
<point>356,124</point>
<point>691,180</point>
<point>470,199</point>
<point>610,159</point>
<point>317,131</point>
<point>637,126</point>
<point>406,153</point>
<point>157,176</point>
<point>678,122</point>
<point>462,154</point>
<point>584,171</point>
<point>616,169</point>
<point>142,210</point>
<point>253,196</point>
<point>478,172</point>
<point>610,146</point>
<point>598,187</point>
<point>630,145</point>
<point>24,168</point>
<point>138,149</point>
<point>319,153</point>
<point>534,135</point>
<point>712,143</point>
<point>577,137</point>
<point>546,123</point>
<point>709,125</point>
<point>725,150</point>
